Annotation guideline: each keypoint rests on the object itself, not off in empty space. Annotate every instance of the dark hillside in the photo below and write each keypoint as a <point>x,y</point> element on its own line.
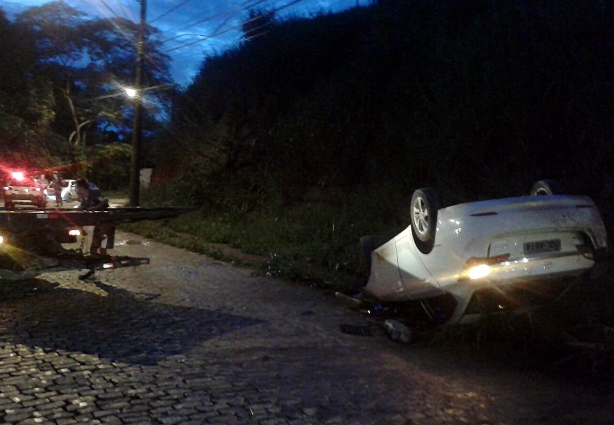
<point>355,111</point>
<point>479,97</point>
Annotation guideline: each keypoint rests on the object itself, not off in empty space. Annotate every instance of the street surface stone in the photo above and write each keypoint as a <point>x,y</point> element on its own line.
<point>191,340</point>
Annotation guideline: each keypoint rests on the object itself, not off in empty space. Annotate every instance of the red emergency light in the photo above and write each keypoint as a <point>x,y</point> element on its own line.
<point>18,175</point>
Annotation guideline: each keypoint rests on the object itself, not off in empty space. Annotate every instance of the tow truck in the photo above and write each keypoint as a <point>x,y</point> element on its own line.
<point>32,241</point>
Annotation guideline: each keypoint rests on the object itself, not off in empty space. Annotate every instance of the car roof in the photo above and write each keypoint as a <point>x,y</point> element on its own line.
<point>26,180</point>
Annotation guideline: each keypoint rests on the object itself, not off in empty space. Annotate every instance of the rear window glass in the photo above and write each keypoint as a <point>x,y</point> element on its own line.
<point>24,182</point>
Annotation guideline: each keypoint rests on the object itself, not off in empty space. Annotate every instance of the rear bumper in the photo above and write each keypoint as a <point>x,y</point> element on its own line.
<point>25,199</point>
<point>567,264</point>
<point>516,296</point>
<point>504,291</point>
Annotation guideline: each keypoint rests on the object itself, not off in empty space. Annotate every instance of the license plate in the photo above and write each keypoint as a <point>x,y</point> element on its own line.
<point>539,247</point>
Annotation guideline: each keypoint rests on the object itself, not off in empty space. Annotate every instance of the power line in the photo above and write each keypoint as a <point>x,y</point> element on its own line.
<point>215,32</point>
<point>214,12</point>
<point>110,9</point>
<point>170,11</point>
<point>219,32</point>
<point>227,15</point>
<point>239,8</point>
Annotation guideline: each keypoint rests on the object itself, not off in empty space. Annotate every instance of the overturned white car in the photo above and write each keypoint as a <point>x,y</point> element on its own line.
<point>485,256</point>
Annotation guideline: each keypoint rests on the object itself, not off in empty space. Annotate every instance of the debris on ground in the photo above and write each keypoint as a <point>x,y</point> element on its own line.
<point>397,331</point>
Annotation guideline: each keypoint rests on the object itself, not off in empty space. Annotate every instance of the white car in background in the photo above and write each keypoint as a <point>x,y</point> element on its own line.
<point>465,260</point>
<point>69,191</point>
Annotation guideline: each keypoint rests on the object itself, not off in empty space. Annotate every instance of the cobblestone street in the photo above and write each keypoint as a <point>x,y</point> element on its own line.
<point>191,340</point>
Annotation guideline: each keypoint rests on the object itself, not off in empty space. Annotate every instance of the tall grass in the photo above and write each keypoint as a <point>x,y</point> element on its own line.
<point>309,241</point>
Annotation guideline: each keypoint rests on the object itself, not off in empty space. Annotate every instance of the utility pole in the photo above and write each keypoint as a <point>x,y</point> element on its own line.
<point>137,131</point>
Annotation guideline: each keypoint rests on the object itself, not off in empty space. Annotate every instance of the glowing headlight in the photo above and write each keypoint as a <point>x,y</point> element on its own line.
<point>479,272</point>
<point>1,239</point>
<point>74,232</point>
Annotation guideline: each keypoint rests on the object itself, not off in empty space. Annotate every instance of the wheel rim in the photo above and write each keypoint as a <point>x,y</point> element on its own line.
<point>420,216</point>
<point>541,192</point>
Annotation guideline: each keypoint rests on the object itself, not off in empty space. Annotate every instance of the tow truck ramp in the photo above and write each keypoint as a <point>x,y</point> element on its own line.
<point>32,241</point>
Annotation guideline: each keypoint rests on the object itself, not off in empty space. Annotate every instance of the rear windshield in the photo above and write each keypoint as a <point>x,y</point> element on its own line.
<point>23,182</point>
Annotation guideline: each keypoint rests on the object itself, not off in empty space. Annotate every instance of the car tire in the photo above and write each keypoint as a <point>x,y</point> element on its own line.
<point>9,206</point>
<point>367,245</point>
<point>547,187</point>
<point>424,208</point>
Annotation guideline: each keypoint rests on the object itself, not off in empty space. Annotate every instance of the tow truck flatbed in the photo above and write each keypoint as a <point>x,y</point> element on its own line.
<point>88,218</point>
<point>32,240</point>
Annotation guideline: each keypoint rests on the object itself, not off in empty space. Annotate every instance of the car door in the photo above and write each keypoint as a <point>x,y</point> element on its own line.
<point>71,191</point>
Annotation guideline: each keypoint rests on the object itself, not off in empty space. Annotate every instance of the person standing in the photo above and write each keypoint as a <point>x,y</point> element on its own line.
<point>56,185</point>
<point>93,200</point>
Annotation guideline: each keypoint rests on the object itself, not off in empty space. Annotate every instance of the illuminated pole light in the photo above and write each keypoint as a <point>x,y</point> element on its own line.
<point>130,92</point>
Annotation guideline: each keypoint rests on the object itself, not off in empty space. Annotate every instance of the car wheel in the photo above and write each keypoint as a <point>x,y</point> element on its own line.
<point>367,245</point>
<point>424,207</point>
<point>9,206</point>
<point>547,187</point>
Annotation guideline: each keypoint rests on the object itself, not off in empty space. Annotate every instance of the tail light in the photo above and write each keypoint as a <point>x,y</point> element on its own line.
<point>586,251</point>
<point>478,268</point>
<point>585,247</point>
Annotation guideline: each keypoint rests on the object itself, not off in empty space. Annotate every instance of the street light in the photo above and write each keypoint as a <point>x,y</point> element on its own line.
<point>130,92</point>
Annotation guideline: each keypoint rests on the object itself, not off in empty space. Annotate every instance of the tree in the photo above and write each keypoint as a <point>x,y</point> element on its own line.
<point>26,103</point>
<point>60,53</point>
<point>89,62</point>
<point>257,23</point>
<point>111,46</point>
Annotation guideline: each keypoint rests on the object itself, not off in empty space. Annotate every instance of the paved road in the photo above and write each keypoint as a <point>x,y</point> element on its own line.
<point>189,340</point>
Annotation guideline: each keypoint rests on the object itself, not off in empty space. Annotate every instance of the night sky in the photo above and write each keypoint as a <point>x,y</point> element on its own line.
<point>194,28</point>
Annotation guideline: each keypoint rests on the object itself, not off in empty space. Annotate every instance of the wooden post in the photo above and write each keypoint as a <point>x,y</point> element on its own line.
<point>137,132</point>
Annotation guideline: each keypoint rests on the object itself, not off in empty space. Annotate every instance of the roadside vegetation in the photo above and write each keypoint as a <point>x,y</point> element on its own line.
<point>63,105</point>
<point>313,243</point>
